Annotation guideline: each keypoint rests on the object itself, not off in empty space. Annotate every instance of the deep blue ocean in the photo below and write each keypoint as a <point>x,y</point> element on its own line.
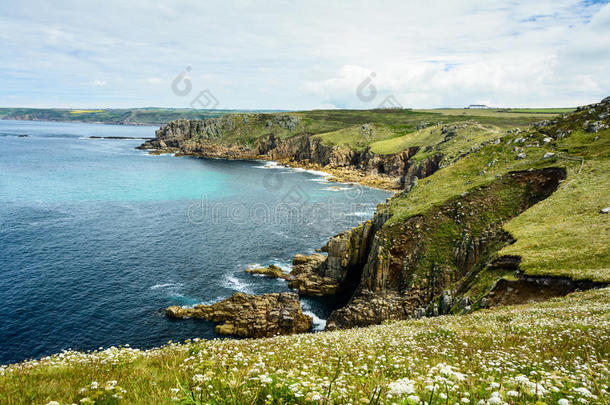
<point>98,238</point>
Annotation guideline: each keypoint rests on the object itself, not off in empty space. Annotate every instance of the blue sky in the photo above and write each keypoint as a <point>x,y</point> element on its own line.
<point>303,55</point>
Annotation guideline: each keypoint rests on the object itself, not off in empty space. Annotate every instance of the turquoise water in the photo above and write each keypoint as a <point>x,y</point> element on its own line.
<point>97,238</point>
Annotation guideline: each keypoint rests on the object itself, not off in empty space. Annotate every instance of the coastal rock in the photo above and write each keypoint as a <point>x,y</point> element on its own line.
<point>368,308</point>
<point>247,315</point>
<point>272,271</point>
<point>307,276</point>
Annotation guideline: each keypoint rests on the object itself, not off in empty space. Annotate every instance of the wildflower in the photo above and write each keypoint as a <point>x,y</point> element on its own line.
<point>413,399</point>
<point>265,379</point>
<point>52,403</point>
<point>512,394</point>
<point>563,401</point>
<point>583,391</point>
<point>402,386</point>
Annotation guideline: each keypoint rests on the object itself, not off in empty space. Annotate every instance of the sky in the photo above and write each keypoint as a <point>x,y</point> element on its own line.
<point>303,55</point>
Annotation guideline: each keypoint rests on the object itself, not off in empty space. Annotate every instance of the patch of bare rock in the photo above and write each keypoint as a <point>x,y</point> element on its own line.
<point>254,316</point>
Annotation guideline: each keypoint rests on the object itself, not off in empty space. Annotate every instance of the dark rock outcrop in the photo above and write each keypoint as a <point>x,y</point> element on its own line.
<point>251,315</point>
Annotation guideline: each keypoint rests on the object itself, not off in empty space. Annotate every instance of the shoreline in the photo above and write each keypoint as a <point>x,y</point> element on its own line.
<point>342,175</point>
<point>352,177</point>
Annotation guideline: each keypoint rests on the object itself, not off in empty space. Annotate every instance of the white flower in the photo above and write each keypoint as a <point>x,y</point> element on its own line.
<point>583,391</point>
<point>563,401</point>
<point>402,386</point>
<point>413,399</point>
<point>265,379</point>
<point>52,403</point>
<point>512,394</point>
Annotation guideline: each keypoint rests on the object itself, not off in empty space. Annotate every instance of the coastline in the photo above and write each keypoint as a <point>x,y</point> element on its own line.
<point>338,175</point>
<point>301,278</point>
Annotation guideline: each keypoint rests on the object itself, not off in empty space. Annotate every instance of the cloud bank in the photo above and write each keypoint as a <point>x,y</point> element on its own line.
<point>302,55</point>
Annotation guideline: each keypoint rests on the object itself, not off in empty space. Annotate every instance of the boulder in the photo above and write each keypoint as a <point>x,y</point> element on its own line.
<point>247,315</point>
<point>272,271</point>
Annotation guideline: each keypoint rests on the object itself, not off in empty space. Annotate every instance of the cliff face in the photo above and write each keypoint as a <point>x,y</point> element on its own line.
<point>441,257</point>
<point>428,263</point>
<point>209,138</point>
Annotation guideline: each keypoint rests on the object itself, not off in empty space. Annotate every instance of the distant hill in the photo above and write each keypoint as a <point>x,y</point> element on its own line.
<point>120,116</point>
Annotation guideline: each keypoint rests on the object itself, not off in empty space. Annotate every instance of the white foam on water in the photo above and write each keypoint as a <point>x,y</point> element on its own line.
<point>234,283</point>
<point>165,285</point>
<point>271,165</point>
<point>318,323</point>
<point>359,214</point>
<point>286,267</point>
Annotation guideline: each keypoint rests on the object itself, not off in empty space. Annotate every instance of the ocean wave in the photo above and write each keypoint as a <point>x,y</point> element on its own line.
<point>337,188</point>
<point>271,165</point>
<point>165,285</point>
<point>359,214</point>
<point>286,267</point>
<point>232,282</point>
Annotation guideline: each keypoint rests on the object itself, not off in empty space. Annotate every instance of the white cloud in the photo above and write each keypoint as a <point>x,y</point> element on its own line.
<point>307,54</point>
<point>154,80</point>
<point>98,82</point>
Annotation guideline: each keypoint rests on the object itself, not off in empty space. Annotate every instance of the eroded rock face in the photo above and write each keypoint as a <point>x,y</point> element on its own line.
<point>319,275</point>
<point>416,266</point>
<point>247,315</point>
<point>205,138</point>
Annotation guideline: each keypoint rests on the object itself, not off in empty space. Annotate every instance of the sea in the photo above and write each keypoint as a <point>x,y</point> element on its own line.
<point>97,238</point>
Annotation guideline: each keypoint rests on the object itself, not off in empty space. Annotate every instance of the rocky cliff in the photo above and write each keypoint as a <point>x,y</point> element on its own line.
<point>428,263</point>
<point>216,138</point>
<point>442,257</point>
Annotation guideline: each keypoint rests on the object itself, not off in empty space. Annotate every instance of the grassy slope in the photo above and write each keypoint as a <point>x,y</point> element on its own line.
<point>567,235</point>
<point>539,352</point>
<point>563,236</point>
<point>342,127</point>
